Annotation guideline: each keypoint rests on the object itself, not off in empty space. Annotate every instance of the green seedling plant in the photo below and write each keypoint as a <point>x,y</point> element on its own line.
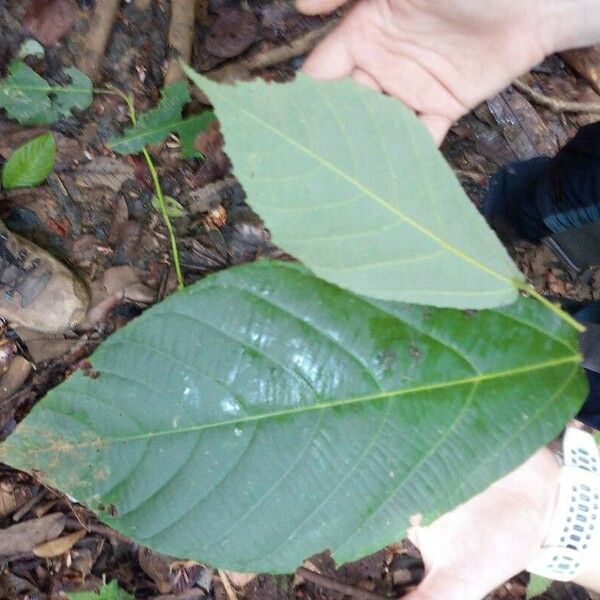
<point>31,100</point>
<point>273,410</point>
<point>31,163</point>
<point>110,591</point>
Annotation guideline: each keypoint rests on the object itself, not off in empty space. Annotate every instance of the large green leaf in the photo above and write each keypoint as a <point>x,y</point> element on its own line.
<point>155,125</point>
<point>31,100</point>
<point>350,182</point>
<point>262,415</point>
<point>31,163</point>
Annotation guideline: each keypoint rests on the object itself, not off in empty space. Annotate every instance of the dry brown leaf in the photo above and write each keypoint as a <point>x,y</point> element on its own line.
<point>233,32</point>
<point>157,567</point>
<point>24,537</point>
<point>240,580</point>
<point>49,20</point>
<point>59,546</point>
<point>13,379</point>
<point>586,62</point>
<point>104,171</point>
<point>12,498</point>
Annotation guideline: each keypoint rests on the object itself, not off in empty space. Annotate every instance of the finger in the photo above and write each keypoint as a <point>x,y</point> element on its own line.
<point>437,126</point>
<point>331,59</point>
<point>318,7</point>
<point>364,78</point>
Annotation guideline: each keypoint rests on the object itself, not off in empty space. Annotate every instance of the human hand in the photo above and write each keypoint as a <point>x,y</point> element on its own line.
<point>442,57</point>
<point>492,537</point>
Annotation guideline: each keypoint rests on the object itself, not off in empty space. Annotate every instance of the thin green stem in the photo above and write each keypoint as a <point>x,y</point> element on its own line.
<point>165,214</point>
<point>551,306</point>
<point>157,187</point>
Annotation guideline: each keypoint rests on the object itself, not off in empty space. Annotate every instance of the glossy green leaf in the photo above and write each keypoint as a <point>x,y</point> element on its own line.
<point>350,182</point>
<point>31,163</point>
<point>155,125</point>
<point>31,100</point>
<point>262,415</point>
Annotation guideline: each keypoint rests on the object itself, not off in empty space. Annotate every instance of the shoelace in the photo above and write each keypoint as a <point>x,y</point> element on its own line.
<point>8,259</point>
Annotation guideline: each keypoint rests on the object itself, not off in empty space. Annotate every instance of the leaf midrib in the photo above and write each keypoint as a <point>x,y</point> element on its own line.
<point>367,191</point>
<point>474,379</point>
<point>46,88</point>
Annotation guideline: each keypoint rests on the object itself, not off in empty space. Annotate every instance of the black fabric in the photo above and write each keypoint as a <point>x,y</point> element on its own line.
<point>545,195</point>
<point>568,192</point>
<point>578,248</point>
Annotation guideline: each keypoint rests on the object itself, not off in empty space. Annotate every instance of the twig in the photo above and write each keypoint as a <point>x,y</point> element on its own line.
<point>231,595</point>
<point>181,35</point>
<point>272,56</point>
<point>337,586</point>
<point>101,26</point>
<point>557,105</point>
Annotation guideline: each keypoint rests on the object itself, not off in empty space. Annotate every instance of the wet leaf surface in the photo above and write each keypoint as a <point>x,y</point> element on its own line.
<point>311,362</point>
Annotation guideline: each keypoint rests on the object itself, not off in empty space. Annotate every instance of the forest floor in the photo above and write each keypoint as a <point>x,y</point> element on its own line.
<point>100,221</point>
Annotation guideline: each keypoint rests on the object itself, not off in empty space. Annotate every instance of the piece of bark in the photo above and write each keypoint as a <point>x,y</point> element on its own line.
<point>532,125</point>
<point>101,26</point>
<point>49,20</point>
<point>181,36</point>
<point>23,537</point>
<point>511,128</point>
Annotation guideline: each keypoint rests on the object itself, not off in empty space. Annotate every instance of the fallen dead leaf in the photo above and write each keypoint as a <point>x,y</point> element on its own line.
<point>233,32</point>
<point>157,567</point>
<point>12,497</point>
<point>240,580</point>
<point>586,62</point>
<point>104,171</point>
<point>24,537</point>
<point>15,377</point>
<point>49,20</point>
<point>59,546</point>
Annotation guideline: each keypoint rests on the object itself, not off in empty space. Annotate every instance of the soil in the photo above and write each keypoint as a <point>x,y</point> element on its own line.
<point>96,215</point>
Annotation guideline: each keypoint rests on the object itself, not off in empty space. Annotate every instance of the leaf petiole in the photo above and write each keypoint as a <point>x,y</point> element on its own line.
<point>528,289</point>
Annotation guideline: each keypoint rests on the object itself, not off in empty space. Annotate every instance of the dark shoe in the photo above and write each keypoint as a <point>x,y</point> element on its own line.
<point>543,196</point>
<point>36,291</point>
<point>510,203</point>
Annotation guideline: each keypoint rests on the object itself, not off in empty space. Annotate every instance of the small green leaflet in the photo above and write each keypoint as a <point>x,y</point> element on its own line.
<point>30,164</point>
<point>537,586</point>
<point>350,182</point>
<point>174,208</point>
<point>31,100</point>
<point>262,415</point>
<point>155,125</point>
<point>110,591</point>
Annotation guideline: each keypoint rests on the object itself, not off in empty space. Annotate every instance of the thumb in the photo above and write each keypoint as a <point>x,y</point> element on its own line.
<point>318,7</point>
